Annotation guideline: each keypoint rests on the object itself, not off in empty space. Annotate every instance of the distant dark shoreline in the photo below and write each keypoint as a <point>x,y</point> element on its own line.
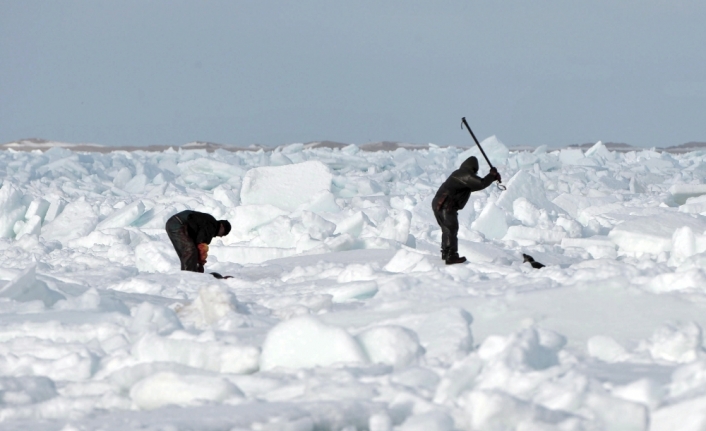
<point>44,145</point>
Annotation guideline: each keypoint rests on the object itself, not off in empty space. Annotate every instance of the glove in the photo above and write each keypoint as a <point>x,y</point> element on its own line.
<point>495,174</point>
<point>203,253</point>
<point>498,178</point>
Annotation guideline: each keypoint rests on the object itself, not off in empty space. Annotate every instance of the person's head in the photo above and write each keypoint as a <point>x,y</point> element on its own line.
<point>223,227</point>
<point>470,165</point>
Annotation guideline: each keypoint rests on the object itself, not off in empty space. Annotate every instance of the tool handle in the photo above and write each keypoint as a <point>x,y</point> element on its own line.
<point>465,123</point>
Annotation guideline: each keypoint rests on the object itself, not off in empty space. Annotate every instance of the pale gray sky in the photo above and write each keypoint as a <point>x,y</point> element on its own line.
<point>141,72</point>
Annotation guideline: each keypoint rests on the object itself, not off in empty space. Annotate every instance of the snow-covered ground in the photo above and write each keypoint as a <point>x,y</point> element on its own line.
<point>340,314</point>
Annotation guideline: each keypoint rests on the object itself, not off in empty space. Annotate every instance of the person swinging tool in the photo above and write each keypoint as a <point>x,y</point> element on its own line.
<point>451,197</point>
<point>190,233</point>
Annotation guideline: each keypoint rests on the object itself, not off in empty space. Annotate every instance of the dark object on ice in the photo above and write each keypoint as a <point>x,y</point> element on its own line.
<point>530,259</point>
<point>451,197</point>
<point>220,277</point>
<point>190,233</point>
<point>499,180</point>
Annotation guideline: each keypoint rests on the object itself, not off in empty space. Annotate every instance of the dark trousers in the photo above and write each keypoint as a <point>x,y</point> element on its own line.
<point>448,221</point>
<point>183,245</point>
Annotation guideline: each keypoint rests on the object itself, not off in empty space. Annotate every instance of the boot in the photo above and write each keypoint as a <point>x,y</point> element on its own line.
<point>444,253</point>
<point>455,258</point>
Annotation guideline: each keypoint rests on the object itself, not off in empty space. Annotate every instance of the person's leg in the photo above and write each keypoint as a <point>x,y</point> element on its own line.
<point>183,245</point>
<point>450,220</point>
<point>190,254</point>
<point>445,235</point>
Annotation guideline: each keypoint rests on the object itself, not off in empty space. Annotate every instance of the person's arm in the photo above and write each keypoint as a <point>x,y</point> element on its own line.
<point>203,253</point>
<point>489,179</point>
<point>474,182</point>
<point>205,226</point>
<point>206,234</point>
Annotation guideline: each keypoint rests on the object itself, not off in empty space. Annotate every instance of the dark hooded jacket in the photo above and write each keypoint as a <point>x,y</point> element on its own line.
<point>456,190</point>
<point>201,227</point>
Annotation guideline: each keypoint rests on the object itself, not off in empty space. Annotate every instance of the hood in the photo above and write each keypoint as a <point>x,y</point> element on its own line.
<point>470,165</point>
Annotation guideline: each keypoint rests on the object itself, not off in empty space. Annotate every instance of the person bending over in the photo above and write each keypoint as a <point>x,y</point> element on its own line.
<point>452,197</point>
<point>190,233</point>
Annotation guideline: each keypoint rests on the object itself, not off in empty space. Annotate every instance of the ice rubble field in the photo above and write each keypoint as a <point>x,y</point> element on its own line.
<point>341,315</point>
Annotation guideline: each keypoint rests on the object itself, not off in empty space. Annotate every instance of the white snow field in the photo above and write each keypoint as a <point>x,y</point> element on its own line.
<point>340,314</point>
